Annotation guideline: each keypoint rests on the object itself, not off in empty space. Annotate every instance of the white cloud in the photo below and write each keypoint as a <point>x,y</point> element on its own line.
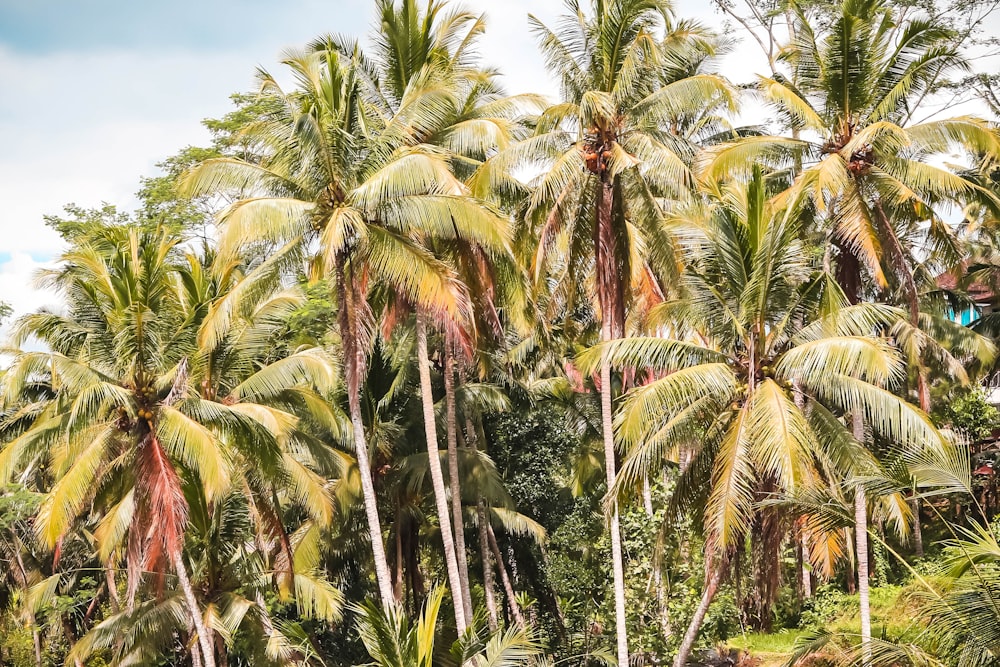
<point>17,286</point>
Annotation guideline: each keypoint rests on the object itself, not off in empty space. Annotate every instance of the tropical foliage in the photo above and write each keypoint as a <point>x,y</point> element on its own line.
<point>403,370</point>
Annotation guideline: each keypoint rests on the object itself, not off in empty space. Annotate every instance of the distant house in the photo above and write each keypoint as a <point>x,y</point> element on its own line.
<point>983,298</point>
<point>984,301</point>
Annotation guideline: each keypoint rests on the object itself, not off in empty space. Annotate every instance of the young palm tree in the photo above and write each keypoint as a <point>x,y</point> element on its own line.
<point>725,385</point>
<point>392,641</point>
<point>341,175</point>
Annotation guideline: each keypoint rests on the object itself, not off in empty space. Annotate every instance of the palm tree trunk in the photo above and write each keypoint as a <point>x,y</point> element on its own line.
<point>618,569</point>
<point>923,391</point>
<point>437,475</point>
<point>806,574</point>
<point>109,577</point>
<point>861,547</point>
<point>918,533</point>
<point>453,475</point>
<point>371,503</point>
<point>36,638</point>
<point>711,586</point>
<point>661,595</point>
<point>195,658</point>
<point>515,608</point>
<point>397,566</point>
<point>354,358</point>
<point>471,437</point>
<point>204,638</point>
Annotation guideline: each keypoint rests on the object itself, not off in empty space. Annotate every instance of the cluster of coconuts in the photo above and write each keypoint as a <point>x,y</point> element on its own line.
<point>592,161</point>
<point>146,393</point>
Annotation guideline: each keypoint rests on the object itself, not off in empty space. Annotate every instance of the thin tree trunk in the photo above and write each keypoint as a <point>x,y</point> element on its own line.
<point>484,540</point>
<point>195,651</point>
<point>711,586</point>
<point>348,313</point>
<point>220,645</point>
<point>35,636</point>
<point>515,608</point>
<point>371,504</point>
<point>36,639</point>
<point>109,577</point>
<point>806,574</point>
<point>437,475</point>
<point>397,570</point>
<point>861,547</point>
<point>621,629</point>
<point>918,533</point>
<point>923,391</point>
<point>661,594</point>
<point>454,476</point>
<point>204,638</point>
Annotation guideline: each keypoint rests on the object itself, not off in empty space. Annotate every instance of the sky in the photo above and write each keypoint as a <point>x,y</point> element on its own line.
<point>95,93</point>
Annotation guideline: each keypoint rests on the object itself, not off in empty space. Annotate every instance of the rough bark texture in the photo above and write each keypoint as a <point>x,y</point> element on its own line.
<point>437,475</point>
<point>454,477</point>
<point>617,564</point>
<point>204,638</point>
<point>711,586</point>
<point>861,547</point>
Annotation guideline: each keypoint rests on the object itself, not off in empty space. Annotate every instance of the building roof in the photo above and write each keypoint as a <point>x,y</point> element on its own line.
<point>977,290</point>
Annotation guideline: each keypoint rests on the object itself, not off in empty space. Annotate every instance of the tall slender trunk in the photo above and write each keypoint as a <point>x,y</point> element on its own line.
<point>923,391</point>
<point>711,586</point>
<point>454,476</point>
<point>861,547</point>
<point>397,566</point>
<point>618,569</point>
<point>484,540</point>
<point>661,594</point>
<point>220,645</point>
<point>437,475</point>
<point>36,638</point>
<point>204,638</point>
<point>515,608</point>
<point>371,503</point>
<point>348,312</point>
<point>806,574</point>
<point>918,533</point>
<point>195,657</point>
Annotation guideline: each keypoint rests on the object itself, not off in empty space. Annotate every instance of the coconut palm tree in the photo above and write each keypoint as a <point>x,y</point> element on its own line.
<point>755,397</point>
<point>162,392</point>
<point>352,180</point>
<point>430,50</point>
<point>861,75</point>
<point>609,152</point>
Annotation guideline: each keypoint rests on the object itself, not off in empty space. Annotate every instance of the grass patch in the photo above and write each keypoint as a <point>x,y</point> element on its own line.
<point>893,610</point>
<point>761,645</point>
